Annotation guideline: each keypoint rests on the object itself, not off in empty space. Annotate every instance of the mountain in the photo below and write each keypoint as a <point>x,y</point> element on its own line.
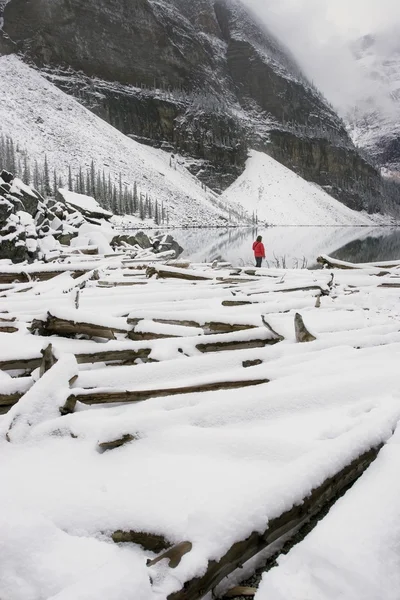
<point>44,121</point>
<point>375,123</point>
<point>200,78</point>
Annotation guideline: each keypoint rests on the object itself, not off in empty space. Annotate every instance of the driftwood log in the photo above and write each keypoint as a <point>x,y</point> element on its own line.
<point>125,439</point>
<point>149,541</point>
<point>164,272</point>
<point>301,331</point>
<point>48,359</point>
<point>239,591</point>
<point>210,327</point>
<point>111,396</point>
<point>258,338</point>
<point>67,328</point>
<point>116,357</point>
<point>24,277</point>
<point>282,527</point>
<point>305,288</point>
<point>174,555</point>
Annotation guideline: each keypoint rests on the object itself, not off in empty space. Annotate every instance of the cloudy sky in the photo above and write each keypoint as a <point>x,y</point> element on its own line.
<point>318,32</point>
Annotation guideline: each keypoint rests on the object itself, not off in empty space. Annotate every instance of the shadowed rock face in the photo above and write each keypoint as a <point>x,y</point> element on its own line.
<point>197,76</point>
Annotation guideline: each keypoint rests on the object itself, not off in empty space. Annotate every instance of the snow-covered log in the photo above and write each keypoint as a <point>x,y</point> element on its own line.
<point>334,263</point>
<point>175,273</point>
<point>94,396</point>
<point>42,401</point>
<point>54,325</point>
<point>284,526</point>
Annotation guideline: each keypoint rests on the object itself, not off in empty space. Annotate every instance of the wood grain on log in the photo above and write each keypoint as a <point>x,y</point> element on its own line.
<point>240,590</point>
<point>10,399</point>
<point>116,357</point>
<point>287,524</point>
<point>66,328</point>
<point>96,397</point>
<point>4,328</point>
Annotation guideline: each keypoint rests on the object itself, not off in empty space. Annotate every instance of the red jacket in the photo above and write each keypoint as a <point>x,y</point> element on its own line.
<point>259,250</point>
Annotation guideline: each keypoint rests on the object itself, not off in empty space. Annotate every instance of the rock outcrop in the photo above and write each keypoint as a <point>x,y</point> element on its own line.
<point>31,226</point>
<point>201,78</point>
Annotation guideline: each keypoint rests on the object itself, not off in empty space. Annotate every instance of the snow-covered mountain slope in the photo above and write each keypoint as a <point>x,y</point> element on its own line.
<point>375,122</point>
<point>280,197</point>
<point>43,120</point>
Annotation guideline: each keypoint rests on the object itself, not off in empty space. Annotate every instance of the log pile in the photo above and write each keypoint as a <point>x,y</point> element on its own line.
<point>164,335</point>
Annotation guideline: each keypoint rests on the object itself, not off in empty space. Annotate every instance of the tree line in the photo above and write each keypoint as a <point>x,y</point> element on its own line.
<point>120,198</point>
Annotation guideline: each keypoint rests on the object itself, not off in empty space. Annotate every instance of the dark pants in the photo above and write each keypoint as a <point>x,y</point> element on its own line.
<point>258,261</point>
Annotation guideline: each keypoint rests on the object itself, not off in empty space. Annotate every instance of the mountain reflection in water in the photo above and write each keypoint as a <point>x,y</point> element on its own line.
<point>296,246</point>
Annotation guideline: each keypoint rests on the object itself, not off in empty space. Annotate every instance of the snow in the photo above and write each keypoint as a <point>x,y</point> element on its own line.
<point>40,561</point>
<point>280,197</point>
<point>81,201</point>
<point>18,185</point>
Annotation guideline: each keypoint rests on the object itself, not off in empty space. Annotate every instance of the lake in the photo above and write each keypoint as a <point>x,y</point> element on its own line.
<point>290,246</point>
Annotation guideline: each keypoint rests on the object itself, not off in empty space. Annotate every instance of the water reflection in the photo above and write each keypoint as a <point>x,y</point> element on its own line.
<point>384,245</point>
<point>291,246</point>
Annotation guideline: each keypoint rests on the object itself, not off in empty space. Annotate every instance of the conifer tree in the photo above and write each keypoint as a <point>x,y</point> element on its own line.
<point>46,178</point>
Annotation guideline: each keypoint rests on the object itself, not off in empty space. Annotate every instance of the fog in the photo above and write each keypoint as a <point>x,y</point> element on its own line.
<point>320,33</point>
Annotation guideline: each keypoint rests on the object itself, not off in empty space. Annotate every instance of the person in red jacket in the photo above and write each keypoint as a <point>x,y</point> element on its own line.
<point>259,251</point>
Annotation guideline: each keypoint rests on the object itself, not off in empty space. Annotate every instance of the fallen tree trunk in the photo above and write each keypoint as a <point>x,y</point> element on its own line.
<point>67,328</point>
<point>210,327</point>
<point>26,277</point>
<point>116,357</point>
<point>111,396</point>
<point>175,273</point>
<point>287,524</point>
<point>257,338</point>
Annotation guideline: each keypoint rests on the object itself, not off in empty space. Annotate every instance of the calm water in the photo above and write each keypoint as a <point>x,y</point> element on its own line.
<point>290,246</point>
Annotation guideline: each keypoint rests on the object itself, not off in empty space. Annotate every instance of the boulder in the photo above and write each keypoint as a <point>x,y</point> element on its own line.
<point>123,239</point>
<point>6,176</point>
<point>143,240</point>
<point>168,243</point>
<point>6,208</point>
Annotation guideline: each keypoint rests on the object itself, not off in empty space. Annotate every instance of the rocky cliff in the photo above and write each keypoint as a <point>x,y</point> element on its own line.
<point>200,77</point>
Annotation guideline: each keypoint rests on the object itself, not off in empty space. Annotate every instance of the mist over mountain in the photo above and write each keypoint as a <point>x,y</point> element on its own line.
<point>352,53</point>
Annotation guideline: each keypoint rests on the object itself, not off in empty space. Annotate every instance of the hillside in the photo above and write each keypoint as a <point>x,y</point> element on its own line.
<point>280,197</point>
<point>200,78</point>
<point>43,120</point>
